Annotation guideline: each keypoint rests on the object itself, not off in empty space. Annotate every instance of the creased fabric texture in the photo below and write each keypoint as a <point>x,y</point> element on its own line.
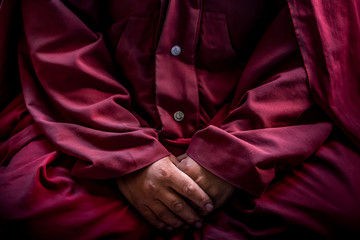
<point>269,92</point>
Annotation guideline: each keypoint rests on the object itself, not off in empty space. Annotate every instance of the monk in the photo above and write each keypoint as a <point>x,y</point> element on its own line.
<point>179,119</point>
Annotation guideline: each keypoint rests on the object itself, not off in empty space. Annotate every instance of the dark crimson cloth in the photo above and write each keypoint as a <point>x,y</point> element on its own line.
<point>269,93</point>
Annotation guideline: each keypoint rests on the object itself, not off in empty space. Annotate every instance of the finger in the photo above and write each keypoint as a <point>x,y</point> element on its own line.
<point>165,215</point>
<point>181,157</point>
<point>151,217</point>
<point>218,190</point>
<point>174,160</point>
<point>222,195</point>
<point>181,208</point>
<point>191,168</point>
<point>184,185</point>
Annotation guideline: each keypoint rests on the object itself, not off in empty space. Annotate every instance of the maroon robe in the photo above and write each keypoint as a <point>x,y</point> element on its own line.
<point>264,100</point>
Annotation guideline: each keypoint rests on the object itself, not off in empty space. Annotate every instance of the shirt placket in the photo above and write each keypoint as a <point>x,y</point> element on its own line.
<point>176,82</point>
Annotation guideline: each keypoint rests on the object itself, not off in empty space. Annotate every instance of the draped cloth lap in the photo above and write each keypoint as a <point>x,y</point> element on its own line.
<point>270,94</point>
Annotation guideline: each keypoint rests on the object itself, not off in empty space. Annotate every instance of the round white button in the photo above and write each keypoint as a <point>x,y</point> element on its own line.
<point>179,116</point>
<point>175,50</point>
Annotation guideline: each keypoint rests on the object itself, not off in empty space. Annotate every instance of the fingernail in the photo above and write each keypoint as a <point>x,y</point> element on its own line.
<point>198,224</point>
<point>209,207</point>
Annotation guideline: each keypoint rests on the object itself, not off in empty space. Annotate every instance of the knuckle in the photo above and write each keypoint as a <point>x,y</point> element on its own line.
<point>143,209</point>
<point>200,180</point>
<point>163,214</point>
<point>163,173</point>
<point>178,224</point>
<point>153,187</point>
<point>158,224</point>
<point>177,206</point>
<point>216,195</point>
<point>203,200</point>
<point>188,189</point>
<point>184,166</point>
<point>191,220</point>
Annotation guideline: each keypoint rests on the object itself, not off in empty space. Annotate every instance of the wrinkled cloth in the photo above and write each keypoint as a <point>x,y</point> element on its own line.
<point>269,101</point>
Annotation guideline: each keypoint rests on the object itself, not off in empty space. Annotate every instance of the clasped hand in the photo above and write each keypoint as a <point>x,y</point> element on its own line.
<point>174,191</point>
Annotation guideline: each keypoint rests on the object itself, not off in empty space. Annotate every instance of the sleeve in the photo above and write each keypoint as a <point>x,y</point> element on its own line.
<point>272,124</point>
<point>71,90</point>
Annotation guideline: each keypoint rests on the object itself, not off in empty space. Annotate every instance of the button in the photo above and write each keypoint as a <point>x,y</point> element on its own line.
<point>179,116</point>
<point>175,50</point>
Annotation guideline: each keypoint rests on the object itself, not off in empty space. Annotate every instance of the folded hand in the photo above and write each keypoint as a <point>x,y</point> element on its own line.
<point>160,193</point>
<point>218,189</point>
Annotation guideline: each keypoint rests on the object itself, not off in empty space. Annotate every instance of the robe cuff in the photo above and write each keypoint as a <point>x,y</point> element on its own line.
<point>113,164</point>
<point>226,156</point>
<point>248,159</point>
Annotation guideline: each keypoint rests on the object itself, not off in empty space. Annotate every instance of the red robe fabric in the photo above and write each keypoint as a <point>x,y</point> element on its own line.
<point>273,96</point>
